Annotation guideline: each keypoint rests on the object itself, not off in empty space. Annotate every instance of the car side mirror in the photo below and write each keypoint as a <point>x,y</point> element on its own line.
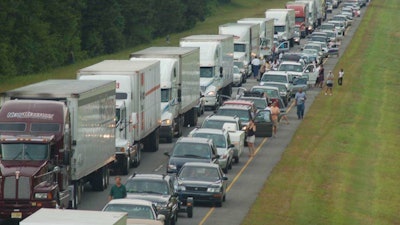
<point>231,146</point>
<point>160,217</point>
<point>224,178</point>
<point>167,154</point>
<point>216,157</point>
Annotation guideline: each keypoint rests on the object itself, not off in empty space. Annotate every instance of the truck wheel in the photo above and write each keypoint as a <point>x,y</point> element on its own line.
<point>193,122</point>
<point>152,142</point>
<point>77,194</point>
<point>97,180</point>
<point>136,161</point>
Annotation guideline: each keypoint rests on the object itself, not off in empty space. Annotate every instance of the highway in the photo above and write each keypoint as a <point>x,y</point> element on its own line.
<point>247,178</point>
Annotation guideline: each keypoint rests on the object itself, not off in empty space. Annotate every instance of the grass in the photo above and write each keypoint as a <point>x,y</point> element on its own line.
<point>228,13</point>
<point>342,164</point>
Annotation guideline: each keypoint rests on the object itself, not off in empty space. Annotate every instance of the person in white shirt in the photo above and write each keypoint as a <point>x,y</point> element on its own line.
<point>255,65</point>
<point>340,79</point>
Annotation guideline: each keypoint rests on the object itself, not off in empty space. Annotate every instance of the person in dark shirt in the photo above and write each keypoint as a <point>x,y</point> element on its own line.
<point>118,190</point>
<point>251,136</point>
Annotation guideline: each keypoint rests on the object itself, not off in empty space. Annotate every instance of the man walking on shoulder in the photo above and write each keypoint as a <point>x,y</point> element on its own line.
<point>300,99</point>
<point>118,190</point>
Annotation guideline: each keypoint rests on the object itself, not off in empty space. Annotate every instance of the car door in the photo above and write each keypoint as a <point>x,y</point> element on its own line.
<point>312,73</point>
<point>263,123</point>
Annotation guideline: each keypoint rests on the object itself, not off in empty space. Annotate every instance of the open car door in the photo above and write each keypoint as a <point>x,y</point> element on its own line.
<point>312,72</point>
<point>263,123</point>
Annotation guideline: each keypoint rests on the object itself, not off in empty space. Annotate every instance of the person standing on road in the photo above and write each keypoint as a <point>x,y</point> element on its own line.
<point>118,190</point>
<point>251,137</point>
<point>340,79</point>
<point>321,76</point>
<point>329,83</point>
<point>275,117</point>
<point>255,66</point>
<point>300,99</point>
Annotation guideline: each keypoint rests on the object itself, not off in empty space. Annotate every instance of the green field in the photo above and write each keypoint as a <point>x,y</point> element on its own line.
<point>229,13</point>
<point>342,166</point>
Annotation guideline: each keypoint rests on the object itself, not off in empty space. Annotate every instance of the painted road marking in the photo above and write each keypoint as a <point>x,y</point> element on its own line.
<point>158,168</point>
<point>208,214</point>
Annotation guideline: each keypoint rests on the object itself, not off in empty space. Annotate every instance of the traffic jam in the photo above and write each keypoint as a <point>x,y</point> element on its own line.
<point>167,133</point>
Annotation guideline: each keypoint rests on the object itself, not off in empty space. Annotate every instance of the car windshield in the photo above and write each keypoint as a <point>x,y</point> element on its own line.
<point>215,124</point>
<point>199,173</point>
<point>236,69</point>
<point>243,114</point>
<point>24,151</point>
<point>165,95</point>
<point>318,38</point>
<point>274,78</point>
<point>300,81</point>
<point>316,47</point>
<point>206,72</point>
<point>239,64</point>
<point>239,48</point>
<point>327,27</point>
<point>281,87</point>
<point>290,67</point>
<point>218,139</point>
<point>260,103</point>
<point>134,211</point>
<point>150,186</point>
<point>191,150</point>
<point>279,29</point>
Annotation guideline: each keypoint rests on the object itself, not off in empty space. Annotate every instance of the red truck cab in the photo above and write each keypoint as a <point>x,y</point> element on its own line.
<point>301,16</point>
<point>31,170</point>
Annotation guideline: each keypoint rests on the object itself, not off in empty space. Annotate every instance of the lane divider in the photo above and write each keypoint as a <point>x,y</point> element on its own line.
<point>208,214</point>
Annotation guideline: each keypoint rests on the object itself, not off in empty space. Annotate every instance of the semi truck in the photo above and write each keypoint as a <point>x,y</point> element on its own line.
<point>284,23</point>
<point>216,66</point>
<point>312,14</point>
<point>180,86</point>
<point>137,108</point>
<point>75,217</point>
<point>301,16</point>
<point>266,34</point>
<point>246,38</point>
<point>55,136</point>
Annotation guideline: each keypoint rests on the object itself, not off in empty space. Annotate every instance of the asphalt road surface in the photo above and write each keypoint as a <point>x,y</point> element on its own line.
<point>247,178</point>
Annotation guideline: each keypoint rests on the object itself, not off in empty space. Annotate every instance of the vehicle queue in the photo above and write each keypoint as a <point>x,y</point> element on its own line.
<point>199,164</point>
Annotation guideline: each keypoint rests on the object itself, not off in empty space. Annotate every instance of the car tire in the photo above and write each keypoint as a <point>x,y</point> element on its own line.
<point>236,159</point>
<point>219,204</point>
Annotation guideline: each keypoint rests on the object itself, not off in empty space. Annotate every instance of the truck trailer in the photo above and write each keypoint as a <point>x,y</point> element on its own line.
<point>55,136</point>
<point>137,109</point>
<point>266,34</point>
<point>216,65</point>
<point>180,86</point>
<point>284,23</point>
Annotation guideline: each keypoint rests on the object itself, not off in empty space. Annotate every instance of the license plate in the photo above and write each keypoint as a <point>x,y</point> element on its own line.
<point>16,215</point>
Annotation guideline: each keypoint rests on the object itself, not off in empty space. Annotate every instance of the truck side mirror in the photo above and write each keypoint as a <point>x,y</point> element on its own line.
<point>179,95</point>
<point>221,70</point>
<point>66,157</point>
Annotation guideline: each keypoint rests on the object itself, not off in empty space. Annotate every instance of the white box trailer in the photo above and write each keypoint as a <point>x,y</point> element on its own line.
<point>266,34</point>
<point>180,86</point>
<point>138,102</point>
<point>284,23</point>
<point>216,65</point>
<point>82,145</point>
<point>75,217</point>
<point>312,13</point>
<point>246,38</point>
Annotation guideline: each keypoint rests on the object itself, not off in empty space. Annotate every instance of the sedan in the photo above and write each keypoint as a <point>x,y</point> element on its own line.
<point>205,182</point>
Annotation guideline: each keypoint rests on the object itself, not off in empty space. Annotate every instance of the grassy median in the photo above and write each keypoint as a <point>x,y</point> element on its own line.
<point>228,13</point>
<point>342,166</point>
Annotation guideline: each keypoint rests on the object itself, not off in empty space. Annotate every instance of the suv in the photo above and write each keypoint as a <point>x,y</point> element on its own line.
<point>159,189</point>
<point>191,149</point>
<point>234,127</point>
<point>223,143</point>
<point>244,112</point>
<point>283,91</point>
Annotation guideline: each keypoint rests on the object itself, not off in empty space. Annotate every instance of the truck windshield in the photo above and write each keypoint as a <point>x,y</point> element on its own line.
<point>12,126</point>
<point>299,19</point>
<point>165,95</point>
<point>121,95</point>
<point>279,29</point>
<point>24,151</point>
<point>239,48</point>
<point>206,72</point>
<point>45,127</point>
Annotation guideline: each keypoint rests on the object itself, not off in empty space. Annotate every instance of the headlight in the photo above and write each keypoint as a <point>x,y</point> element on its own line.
<point>181,188</point>
<point>211,93</point>
<point>262,83</point>
<point>43,195</point>
<point>162,206</point>
<point>244,128</point>
<point>166,122</point>
<point>213,189</point>
<point>172,167</point>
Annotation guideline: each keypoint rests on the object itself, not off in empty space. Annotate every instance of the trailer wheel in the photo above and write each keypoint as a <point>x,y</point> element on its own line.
<point>152,142</point>
<point>136,161</point>
<point>98,180</point>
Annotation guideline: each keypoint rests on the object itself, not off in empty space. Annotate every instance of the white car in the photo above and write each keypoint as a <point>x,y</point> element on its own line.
<point>223,143</point>
<point>139,211</point>
<point>233,126</point>
<point>237,76</point>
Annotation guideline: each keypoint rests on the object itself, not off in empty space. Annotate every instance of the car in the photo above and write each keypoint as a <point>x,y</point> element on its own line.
<point>257,98</point>
<point>243,68</point>
<point>223,143</point>
<point>283,91</point>
<point>342,18</point>
<point>317,47</point>
<point>205,182</point>
<point>272,94</point>
<point>313,55</point>
<point>191,149</point>
<point>329,7</point>
<point>139,211</point>
<point>263,123</point>
<point>297,34</point>
<point>234,127</point>
<point>244,112</point>
<point>300,82</point>
<point>238,77</point>
<point>292,57</point>
<point>340,27</point>
<point>292,67</point>
<point>324,47</point>
<point>242,102</point>
<point>157,188</point>
<point>276,76</point>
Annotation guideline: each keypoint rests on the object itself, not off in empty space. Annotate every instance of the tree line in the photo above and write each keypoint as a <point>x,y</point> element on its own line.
<point>39,35</point>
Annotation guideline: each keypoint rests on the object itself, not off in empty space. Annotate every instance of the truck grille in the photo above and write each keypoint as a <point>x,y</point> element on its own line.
<point>202,189</point>
<point>10,191</point>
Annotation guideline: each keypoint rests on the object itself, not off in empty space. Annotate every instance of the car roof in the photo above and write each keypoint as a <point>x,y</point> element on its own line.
<point>148,176</point>
<point>238,102</point>
<point>233,106</point>
<point>291,62</point>
<point>223,118</point>
<point>210,131</point>
<point>266,87</point>
<point>130,201</point>
<point>194,140</point>
<point>202,164</point>
<point>274,83</point>
<point>276,73</point>
<point>246,98</point>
